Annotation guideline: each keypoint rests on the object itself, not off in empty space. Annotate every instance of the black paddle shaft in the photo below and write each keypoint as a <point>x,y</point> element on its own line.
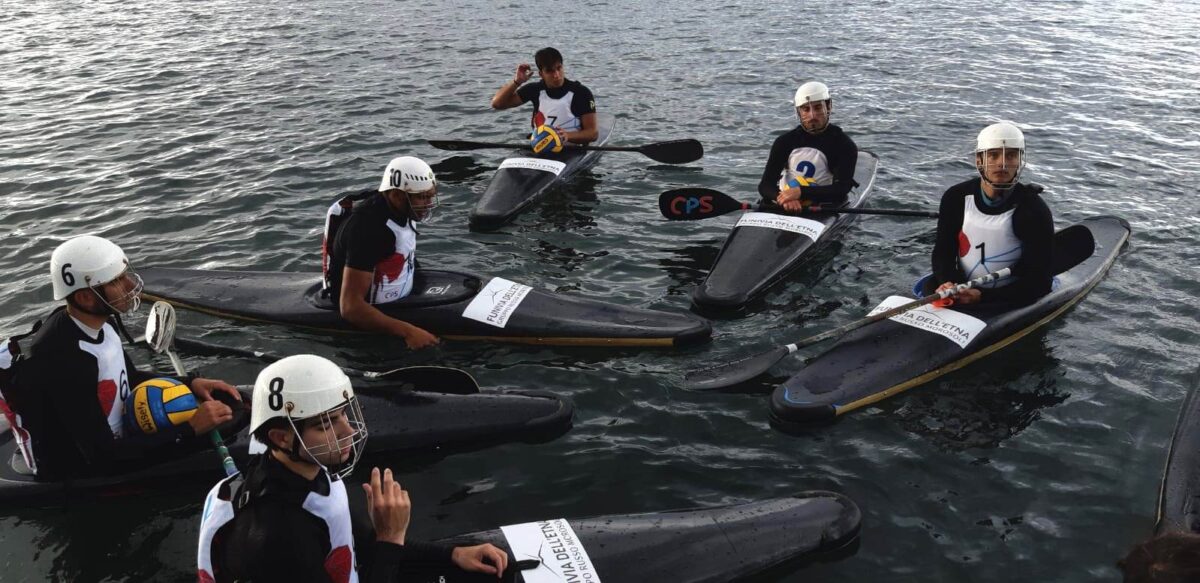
<point>671,152</point>
<point>692,204</point>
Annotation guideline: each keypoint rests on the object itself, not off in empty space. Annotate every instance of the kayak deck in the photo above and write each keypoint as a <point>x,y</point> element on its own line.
<point>453,305</point>
<point>704,545</point>
<point>521,182</point>
<point>399,420</point>
<point>886,358</point>
<point>754,258</point>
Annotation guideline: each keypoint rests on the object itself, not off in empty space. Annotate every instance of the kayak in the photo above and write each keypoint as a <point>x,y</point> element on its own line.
<point>891,356</point>
<point>765,247</point>
<point>452,305</point>
<point>399,420</point>
<point>1179,496</point>
<point>521,182</point>
<point>683,546</point>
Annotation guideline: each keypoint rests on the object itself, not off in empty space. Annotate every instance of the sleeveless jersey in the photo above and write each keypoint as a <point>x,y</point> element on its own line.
<point>333,510</point>
<point>808,167</point>
<point>112,384</point>
<point>987,243</point>
<point>565,111</point>
<point>393,274</point>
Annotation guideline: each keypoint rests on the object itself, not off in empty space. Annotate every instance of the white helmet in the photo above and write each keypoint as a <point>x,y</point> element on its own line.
<point>413,176</point>
<point>88,261</point>
<point>303,387</point>
<point>810,92</point>
<point>409,174</point>
<point>1000,136</point>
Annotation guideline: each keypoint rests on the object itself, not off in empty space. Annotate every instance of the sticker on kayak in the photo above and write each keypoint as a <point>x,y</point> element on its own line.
<point>957,326</point>
<point>807,227</point>
<point>496,302</point>
<point>561,557</point>
<point>552,166</point>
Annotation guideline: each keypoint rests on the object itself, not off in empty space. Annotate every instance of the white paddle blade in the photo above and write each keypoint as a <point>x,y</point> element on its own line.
<point>160,326</point>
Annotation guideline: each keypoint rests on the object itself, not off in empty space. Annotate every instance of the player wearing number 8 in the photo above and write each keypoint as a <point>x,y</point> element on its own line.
<point>71,384</point>
<point>993,222</point>
<point>288,516</point>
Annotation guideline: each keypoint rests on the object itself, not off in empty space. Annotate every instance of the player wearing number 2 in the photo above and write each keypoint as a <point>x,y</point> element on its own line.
<point>67,395</point>
<point>813,163</point>
<point>992,222</point>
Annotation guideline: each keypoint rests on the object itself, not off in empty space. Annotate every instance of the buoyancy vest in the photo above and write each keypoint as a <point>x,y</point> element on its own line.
<point>987,243</point>
<point>232,494</point>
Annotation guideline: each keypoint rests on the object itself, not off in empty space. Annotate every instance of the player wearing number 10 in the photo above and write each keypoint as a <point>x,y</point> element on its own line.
<point>992,222</point>
<point>68,391</point>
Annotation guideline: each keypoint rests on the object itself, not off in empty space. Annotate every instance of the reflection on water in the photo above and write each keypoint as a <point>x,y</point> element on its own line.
<point>986,402</point>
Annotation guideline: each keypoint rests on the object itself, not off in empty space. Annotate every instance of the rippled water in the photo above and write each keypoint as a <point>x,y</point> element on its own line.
<point>214,134</point>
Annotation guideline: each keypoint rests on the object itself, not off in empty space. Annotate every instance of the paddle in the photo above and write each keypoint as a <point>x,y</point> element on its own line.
<point>693,204</point>
<point>160,333</point>
<point>430,378</point>
<point>732,373</point>
<point>672,152</point>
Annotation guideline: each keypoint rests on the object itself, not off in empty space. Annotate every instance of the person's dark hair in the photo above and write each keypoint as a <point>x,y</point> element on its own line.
<point>263,430</point>
<point>1171,558</point>
<point>547,57</point>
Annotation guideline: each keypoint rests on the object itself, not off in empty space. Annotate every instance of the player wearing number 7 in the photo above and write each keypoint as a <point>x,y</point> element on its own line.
<point>992,222</point>
<point>71,385</point>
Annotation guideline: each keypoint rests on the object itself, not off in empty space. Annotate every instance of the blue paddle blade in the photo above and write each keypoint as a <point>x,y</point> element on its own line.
<point>733,373</point>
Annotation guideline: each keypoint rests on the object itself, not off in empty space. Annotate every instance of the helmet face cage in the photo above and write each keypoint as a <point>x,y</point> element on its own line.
<point>826,107</point>
<point>133,296</point>
<point>422,212</point>
<point>356,441</point>
<point>983,164</point>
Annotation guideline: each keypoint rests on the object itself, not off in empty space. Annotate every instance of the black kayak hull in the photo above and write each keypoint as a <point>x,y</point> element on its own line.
<point>1179,496</point>
<point>886,358</point>
<point>398,419</point>
<point>706,545</point>
<point>438,303</point>
<point>519,183</point>
<point>755,258</point>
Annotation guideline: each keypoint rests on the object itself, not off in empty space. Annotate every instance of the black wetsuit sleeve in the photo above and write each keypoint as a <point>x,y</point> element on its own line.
<point>945,246</point>
<point>845,160</point>
<point>1034,227</point>
<point>529,92</point>
<point>768,185</point>
<point>366,247</point>
<point>583,102</point>
<point>390,561</point>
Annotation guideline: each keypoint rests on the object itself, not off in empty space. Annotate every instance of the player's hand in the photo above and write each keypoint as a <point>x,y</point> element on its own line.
<point>477,558</point>
<point>389,507</point>
<point>209,415</point>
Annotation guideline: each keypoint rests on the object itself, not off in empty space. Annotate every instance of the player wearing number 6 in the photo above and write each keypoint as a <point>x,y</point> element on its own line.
<point>814,163</point>
<point>994,222</point>
<point>69,388</point>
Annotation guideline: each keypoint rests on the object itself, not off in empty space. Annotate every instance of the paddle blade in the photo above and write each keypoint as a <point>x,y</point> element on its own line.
<point>160,326</point>
<point>733,373</point>
<point>434,379</point>
<point>674,152</point>
<point>692,204</point>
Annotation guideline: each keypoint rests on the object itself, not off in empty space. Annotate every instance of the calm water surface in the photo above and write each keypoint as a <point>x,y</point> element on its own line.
<point>213,135</point>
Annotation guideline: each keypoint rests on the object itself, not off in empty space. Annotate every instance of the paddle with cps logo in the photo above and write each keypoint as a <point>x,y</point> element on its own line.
<point>693,204</point>
<point>160,335</point>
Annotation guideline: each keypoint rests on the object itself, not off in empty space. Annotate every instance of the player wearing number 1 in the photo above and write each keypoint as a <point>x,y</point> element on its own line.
<point>992,222</point>
<point>69,387</point>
